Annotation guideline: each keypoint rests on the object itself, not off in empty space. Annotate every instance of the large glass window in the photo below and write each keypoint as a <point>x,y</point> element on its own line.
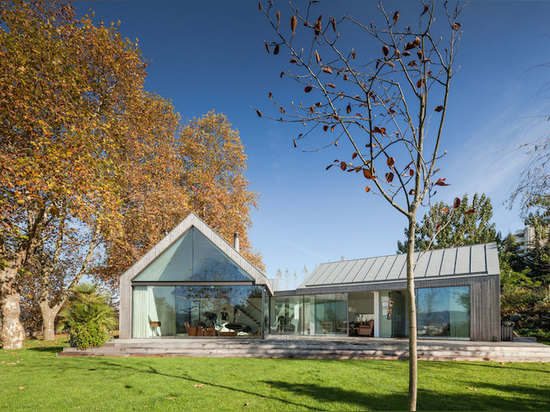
<point>444,312</point>
<point>361,313</point>
<point>286,315</point>
<point>385,314</point>
<point>331,314</point>
<point>197,311</point>
<point>193,257</point>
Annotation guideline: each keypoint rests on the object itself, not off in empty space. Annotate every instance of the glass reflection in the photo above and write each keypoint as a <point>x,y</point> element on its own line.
<point>444,312</point>
<point>197,311</point>
<point>193,257</point>
<point>286,315</point>
<point>331,314</point>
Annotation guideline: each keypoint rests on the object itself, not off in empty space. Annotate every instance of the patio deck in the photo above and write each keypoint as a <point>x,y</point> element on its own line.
<point>320,347</point>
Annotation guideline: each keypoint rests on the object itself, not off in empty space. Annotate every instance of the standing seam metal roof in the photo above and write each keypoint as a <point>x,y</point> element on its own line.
<point>451,262</point>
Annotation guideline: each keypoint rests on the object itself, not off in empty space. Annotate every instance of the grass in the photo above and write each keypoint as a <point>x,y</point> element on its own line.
<point>34,378</point>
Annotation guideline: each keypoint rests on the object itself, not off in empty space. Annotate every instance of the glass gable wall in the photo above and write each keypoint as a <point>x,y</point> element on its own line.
<point>227,304</point>
<point>193,258</point>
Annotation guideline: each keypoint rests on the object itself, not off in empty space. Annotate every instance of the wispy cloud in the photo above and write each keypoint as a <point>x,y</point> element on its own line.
<point>491,160</point>
<point>303,250</point>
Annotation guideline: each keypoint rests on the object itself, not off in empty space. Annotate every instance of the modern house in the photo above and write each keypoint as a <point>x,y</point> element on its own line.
<point>194,284</point>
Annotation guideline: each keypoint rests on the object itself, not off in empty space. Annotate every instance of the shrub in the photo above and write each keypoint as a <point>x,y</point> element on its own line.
<point>531,304</point>
<point>89,335</point>
<point>89,318</point>
<point>537,333</point>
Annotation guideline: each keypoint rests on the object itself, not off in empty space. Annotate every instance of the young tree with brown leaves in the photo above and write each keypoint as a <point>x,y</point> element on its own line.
<point>381,101</point>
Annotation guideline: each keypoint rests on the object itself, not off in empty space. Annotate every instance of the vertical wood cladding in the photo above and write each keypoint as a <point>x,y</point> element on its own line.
<point>485,308</point>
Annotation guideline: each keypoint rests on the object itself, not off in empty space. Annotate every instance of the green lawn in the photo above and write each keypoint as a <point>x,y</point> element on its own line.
<point>35,378</point>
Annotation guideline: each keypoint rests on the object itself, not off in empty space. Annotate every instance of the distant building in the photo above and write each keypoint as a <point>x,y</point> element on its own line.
<point>525,237</point>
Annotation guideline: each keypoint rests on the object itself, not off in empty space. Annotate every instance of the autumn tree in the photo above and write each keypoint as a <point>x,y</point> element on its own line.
<point>379,91</point>
<point>214,163</point>
<point>172,171</point>
<point>65,85</point>
<point>93,169</point>
<point>447,226</point>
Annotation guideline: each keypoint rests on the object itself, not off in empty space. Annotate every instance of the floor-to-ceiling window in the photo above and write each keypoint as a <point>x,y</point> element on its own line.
<point>444,312</point>
<point>325,314</point>
<point>197,311</point>
<point>286,315</point>
<point>361,313</point>
<point>331,314</point>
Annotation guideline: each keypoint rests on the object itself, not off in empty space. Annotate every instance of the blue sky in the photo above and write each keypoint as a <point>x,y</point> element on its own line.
<point>210,55</point>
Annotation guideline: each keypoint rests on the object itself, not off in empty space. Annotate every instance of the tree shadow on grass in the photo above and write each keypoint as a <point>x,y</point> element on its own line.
<point>469,395</point>
<point>532,367</point>
<point>428,400</point>
<point>53,349</point>
<point>151,370</point>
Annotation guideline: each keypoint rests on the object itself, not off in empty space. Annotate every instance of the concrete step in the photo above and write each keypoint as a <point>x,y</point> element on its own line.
<point>306,355</point>
<point>319,353</point>
<point>228,344</point>
<point>319,349</point>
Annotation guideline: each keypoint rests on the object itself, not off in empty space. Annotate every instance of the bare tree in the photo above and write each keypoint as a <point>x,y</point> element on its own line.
<point>382,104</point>
<point>532,190</point>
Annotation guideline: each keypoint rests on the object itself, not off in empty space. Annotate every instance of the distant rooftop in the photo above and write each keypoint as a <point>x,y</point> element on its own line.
<point>441,263</point>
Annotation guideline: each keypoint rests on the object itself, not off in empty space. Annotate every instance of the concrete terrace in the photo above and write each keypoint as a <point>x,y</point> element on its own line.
<point>320,347</point>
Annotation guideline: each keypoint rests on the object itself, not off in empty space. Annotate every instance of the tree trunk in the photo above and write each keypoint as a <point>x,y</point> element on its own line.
<point>48,320</point>
<point>12,333</point>
<point>413,364</point>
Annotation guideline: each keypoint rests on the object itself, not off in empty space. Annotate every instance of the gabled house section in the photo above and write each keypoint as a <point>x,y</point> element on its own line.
<point>187,283</point>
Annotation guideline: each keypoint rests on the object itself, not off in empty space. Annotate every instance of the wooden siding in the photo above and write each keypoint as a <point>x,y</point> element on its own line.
<point>485,309</point>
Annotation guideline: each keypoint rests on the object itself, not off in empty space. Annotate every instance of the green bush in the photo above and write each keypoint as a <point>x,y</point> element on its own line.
<point>89,317</point>
<point>89,335</point>
<point>532,304</point>
<point>537,333</point>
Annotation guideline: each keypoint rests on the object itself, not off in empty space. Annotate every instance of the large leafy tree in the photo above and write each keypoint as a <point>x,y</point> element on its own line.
<point>93,169</point>
<point>375,85</point>
<point>65,84</point>
<point>197,168</point>
<point>448,226</point>
<point>214,163</point>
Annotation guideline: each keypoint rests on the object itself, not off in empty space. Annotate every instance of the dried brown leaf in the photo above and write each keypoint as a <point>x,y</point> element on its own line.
<point>395,17</point>
<point>317,57</point>
<point>456,203</point>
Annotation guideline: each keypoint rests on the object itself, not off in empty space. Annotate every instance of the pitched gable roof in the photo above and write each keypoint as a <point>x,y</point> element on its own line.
<point>439,263</point>
<point>192,220</point>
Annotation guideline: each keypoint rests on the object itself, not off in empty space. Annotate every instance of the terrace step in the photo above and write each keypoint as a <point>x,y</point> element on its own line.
<point>317,349</point>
